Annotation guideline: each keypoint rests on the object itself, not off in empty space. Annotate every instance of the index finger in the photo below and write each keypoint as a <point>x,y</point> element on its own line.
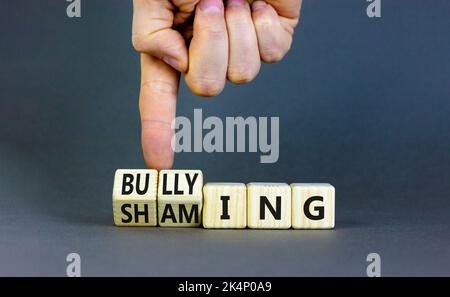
<point>157,106</point>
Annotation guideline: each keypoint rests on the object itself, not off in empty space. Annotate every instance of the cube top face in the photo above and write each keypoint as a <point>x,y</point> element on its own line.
<point>269,205</point>
<point>313,206</point>
<point>316,185</point>
<point>259,184</point>
<point>225,205</point>
<point>267,186</point>
<point>225,185</point>
<point>180,186</point>
<point>135,184</point>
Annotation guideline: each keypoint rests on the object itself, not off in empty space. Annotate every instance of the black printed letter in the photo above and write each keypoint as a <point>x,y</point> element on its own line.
<point>127,181</point>
<point>225,215</point>
<point>265,202</point>
<point>319,209</point>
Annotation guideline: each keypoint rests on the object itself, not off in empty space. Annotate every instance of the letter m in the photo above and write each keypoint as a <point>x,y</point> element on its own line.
<point>183,213</point>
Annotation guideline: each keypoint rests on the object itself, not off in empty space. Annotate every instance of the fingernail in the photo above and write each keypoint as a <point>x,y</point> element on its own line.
<point>170,61</point>
<point>258,5</point>
<point>231,3</point>
<point>211,5</point>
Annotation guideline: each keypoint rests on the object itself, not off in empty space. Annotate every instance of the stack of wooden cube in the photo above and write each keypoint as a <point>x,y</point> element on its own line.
<point>178,198</point>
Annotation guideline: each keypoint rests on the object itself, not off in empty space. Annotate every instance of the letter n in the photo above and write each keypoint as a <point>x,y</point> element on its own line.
<point>276,213</point>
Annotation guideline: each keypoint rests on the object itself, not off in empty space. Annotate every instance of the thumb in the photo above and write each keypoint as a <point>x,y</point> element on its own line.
<point>153,33</point>
<point>157,106</point>
<point>288,9</point>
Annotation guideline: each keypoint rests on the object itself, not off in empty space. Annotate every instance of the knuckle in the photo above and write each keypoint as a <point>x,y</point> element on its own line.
<point>272,56</point>
<point>206,87</point>
<point>159,87</point>
<point>241,75</point>
<point>238,19</point>
<point>273,53</point>
<point>138,43</point>
<point>213,30</point>
<point>215,33</point>
<point>265,23</point>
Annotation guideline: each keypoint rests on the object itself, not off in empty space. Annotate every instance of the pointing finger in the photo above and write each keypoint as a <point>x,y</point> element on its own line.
<point>157,105</point>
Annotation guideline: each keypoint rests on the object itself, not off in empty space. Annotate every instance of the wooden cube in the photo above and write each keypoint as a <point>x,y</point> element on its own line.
<point>134,197</point>
<point>225,205</point>
<point>313,206</point>
<point>180,198</point>
<point>269,205</point>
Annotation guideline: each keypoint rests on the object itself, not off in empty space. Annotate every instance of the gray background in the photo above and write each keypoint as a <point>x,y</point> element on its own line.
<point>363,104</point>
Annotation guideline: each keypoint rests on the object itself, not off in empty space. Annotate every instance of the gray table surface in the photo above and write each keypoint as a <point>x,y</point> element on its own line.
<point>363,105</point>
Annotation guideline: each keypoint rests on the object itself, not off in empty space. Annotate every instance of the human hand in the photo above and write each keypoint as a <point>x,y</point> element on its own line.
<point>227,43</point>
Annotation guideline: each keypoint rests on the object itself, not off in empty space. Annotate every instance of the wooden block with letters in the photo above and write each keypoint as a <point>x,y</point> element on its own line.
<point>225,205</point>
<point>134,197</point>
<point>313,206</point>
<point>269,205</point>
<point>180,198</point>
